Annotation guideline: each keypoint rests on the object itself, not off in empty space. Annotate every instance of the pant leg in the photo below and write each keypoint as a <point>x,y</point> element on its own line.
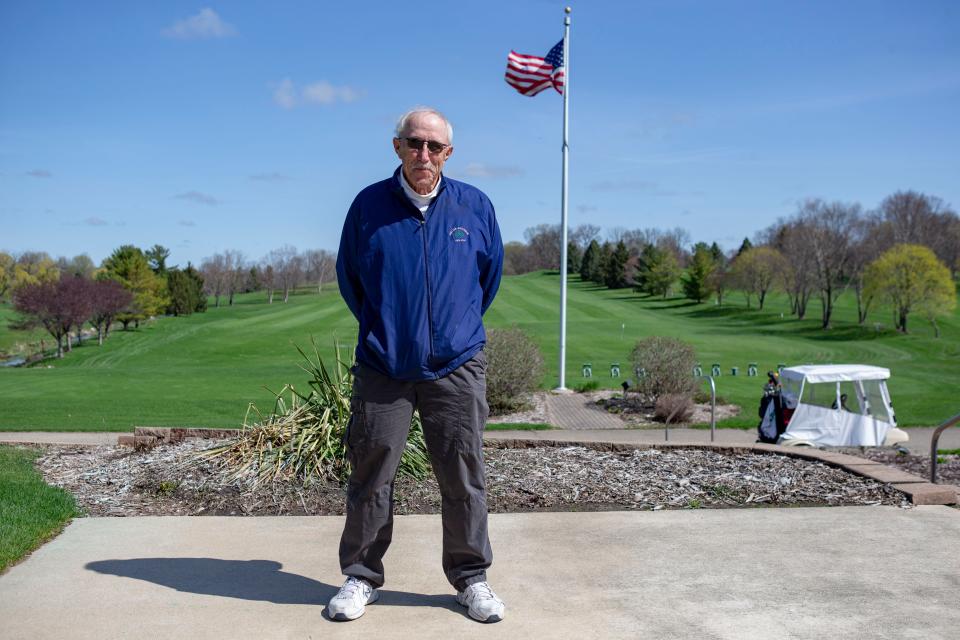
<point>454,412</point>
<point>381,409</point>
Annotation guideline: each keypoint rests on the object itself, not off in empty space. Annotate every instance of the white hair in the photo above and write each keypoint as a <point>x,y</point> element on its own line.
<point>405,118</point>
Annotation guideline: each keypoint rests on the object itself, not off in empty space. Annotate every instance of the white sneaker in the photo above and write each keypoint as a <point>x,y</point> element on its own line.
<point>483,604</point>
<point>350,601</point>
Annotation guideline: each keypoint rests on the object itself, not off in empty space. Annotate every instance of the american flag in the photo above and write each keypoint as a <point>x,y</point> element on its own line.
<point>532,74</point>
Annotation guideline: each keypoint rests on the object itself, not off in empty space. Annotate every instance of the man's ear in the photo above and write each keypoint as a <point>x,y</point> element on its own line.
<point>449,151</point>
<point>396,146</point>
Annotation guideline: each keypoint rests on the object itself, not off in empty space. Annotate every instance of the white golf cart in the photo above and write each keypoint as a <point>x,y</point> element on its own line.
<point>837,405</point>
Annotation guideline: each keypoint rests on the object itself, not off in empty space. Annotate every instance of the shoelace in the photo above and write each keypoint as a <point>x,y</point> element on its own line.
<point>482,590</point>
<point>352,586</point>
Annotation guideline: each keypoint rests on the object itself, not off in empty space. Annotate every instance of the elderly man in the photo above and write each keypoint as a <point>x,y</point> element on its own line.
<point>420,262</point>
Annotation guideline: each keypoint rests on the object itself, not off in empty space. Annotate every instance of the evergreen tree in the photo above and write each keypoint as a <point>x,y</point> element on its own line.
<point>157,258</point>
<point>591,262</point>
<point>128,266</point>
<point>615,274</point>
<point>197,279</point>
<point>696,281</point>
<point>746,245</point>
<point>606,254</point>
<point>186,291</point>
<point>650,256</point>
<point>574,257</point>
<point>717,254</point>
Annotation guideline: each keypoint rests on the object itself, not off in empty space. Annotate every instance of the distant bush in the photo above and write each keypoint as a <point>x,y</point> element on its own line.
<point>673,407</point>
<point>514,368</point>
<point>702,396</point>
<point>584,387</point>
<point>668,364</point>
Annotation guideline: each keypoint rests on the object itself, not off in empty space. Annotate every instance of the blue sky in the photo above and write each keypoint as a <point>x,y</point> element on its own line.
<point>234,125</point>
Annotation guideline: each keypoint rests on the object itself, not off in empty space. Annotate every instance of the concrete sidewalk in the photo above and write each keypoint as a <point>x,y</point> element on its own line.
<point>850,572</point>
<point>919,436</point>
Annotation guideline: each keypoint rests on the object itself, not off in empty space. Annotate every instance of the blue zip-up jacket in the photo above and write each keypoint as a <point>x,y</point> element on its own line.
<point>418,285</point>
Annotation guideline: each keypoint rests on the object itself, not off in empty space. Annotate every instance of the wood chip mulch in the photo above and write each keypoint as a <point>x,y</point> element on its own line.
<point>117,481</point>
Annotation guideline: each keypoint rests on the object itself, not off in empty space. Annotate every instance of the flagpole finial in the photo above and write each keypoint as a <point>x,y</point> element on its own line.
<point>567,9</point>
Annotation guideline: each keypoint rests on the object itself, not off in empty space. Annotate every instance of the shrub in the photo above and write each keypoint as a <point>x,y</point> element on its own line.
<point>302,439</point>
<point>584,387</point>
<point>514,368</point>
<point>673,408</point>
<point>668,363</point>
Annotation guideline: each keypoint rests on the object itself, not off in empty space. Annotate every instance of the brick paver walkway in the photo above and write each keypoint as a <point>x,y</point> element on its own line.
<point>574,411</point>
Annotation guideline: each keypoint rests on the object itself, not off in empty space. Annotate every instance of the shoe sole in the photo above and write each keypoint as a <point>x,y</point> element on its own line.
<point>488,619</point>
<point>342,617</point>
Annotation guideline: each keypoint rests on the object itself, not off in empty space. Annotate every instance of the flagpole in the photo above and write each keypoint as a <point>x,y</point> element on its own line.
<point>563,202</point>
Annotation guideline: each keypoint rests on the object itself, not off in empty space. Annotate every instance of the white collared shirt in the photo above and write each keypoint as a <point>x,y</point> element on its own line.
<point>421,202</point>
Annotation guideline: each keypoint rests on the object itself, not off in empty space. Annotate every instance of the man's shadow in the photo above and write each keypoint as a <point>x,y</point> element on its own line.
<point>251,580</point>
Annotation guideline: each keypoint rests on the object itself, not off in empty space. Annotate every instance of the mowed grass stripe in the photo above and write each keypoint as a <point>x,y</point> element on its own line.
<point>204,369</point>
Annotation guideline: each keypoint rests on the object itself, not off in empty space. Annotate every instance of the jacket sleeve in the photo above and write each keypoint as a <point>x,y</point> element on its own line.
<point>491,266</point>
<point>347,278</point>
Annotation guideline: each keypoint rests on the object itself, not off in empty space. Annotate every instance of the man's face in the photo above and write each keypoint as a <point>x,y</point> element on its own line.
<point>422,167</point>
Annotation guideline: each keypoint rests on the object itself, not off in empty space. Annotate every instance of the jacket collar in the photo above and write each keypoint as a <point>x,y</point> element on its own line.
<point>397,188</point>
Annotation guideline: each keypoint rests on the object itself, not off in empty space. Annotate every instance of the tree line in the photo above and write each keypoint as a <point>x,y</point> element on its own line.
<point>131,285</point>
<point>905,253</point>
<point>64,295</point>
<point>282,270</point>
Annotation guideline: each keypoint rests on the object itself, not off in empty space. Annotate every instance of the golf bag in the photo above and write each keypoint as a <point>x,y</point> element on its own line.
<point>772,419</point>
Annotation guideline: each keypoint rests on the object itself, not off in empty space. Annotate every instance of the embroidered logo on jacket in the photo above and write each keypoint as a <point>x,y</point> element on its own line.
<point>459,234</point>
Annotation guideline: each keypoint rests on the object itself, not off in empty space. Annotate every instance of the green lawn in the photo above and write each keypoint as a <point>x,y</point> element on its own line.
<point>204,370</point>
<point>17,343</point>
<point>31,511</point>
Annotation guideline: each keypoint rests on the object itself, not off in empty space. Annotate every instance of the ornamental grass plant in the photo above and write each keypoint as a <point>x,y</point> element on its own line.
<point>302,439</point>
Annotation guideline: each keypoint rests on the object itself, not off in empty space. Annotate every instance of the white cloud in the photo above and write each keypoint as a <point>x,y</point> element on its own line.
<point>206,24</point>
<point>94,221</point>
<point>287,95</point>
<point>325,93</point>
<point>199,198</point>
<point>480,170</point>
<point>39,173</point>
<point>187,223</point>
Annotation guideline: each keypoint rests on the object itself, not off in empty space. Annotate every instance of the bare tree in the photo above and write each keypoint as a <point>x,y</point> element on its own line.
<point>829,230</point>
<point>214,270</point>
<point>286,270</point>
<point>675,241</point>
<point>916,218</point>
<point>80,266</point>
<point>543,243</point>
<point>234,273</point>
<point>583,234</point>
<point>320,265</point>
<point>867,241</point>
<point>268,276</point>
<point>790,238</point>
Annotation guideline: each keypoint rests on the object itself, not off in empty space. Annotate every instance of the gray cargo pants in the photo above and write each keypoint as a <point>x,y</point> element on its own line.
<point>454,411</point>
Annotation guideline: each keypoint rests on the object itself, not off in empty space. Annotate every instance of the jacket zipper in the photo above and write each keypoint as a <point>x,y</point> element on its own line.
<point>426,273</point>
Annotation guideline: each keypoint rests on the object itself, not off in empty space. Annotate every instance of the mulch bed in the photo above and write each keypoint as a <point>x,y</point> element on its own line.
<point>948,467</point>
<point>168,480</point>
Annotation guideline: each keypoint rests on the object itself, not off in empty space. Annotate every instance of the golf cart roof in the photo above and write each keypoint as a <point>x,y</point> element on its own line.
<point>834,373</point>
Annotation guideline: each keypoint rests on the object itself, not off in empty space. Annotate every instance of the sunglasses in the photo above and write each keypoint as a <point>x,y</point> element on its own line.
<point>432,145</point>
